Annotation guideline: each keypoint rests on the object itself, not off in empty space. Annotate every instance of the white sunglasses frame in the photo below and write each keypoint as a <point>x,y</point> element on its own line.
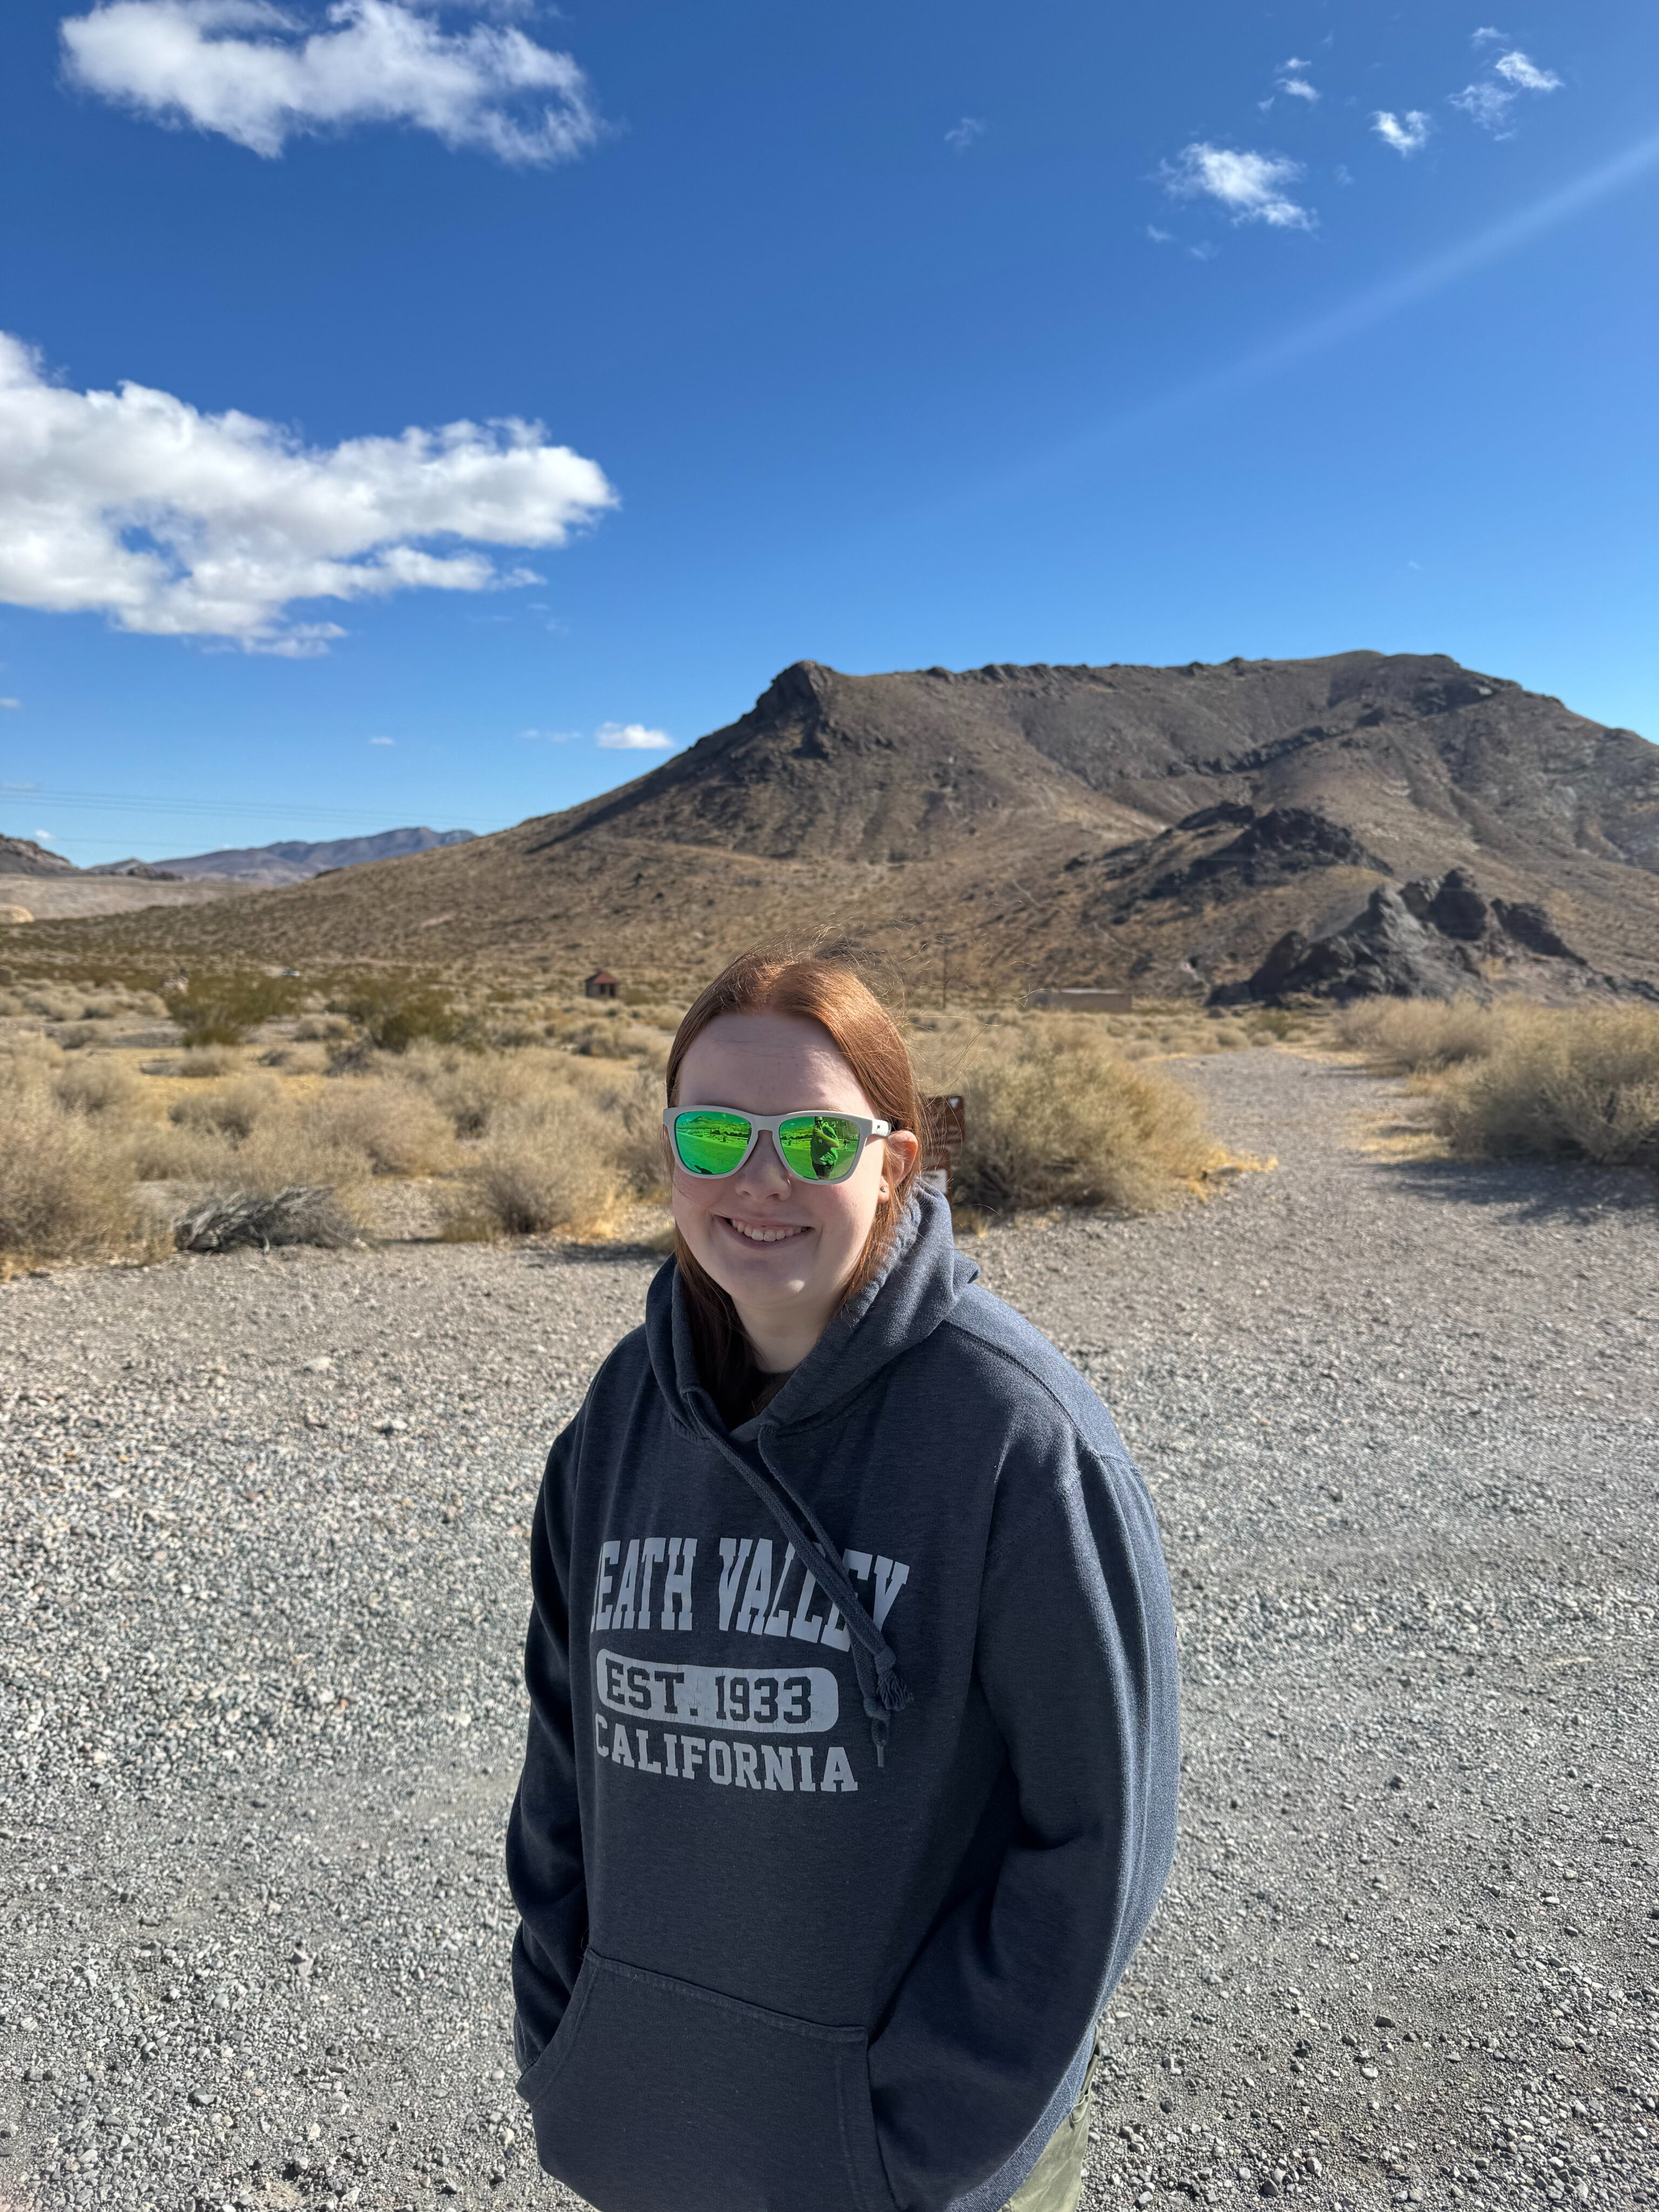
<point>770,1124</point>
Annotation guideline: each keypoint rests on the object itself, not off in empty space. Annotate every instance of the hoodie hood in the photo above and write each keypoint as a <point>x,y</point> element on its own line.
<point>913,1293</point>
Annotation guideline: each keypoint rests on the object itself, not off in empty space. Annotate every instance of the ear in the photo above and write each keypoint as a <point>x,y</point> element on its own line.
<point>902,1147</point>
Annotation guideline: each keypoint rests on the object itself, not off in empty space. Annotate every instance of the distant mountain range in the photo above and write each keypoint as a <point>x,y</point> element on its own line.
<point>289,862</point>
<point>1007,827</point>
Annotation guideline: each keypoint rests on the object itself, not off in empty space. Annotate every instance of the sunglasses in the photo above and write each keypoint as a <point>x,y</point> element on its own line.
<point>716,1141</point>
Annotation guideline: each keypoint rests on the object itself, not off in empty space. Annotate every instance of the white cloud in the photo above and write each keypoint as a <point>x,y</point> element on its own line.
<point>1159,237</point>
<point>961,136</point>
<point>134,504</point>
<point>44,837</point>
<point>1487,36</point>
<point>1407,134</point>
<point>383,741</point>
<point>11,706</point>
<point>1486,103</point>
<point>550,737</point>
<point>1298,87</point>
<point>1250,186</point>
<point>1517,69</point>
<point>260,74</point>
<point>633,738</point>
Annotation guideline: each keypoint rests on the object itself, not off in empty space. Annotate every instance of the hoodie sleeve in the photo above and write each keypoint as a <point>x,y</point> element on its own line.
<point>544,1834</point>
<point>1077,1660</point>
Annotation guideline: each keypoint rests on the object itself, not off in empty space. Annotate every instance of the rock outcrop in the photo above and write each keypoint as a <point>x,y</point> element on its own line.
<point>1273,846</point>
<point>22,856</point>
<point>1439,937</point>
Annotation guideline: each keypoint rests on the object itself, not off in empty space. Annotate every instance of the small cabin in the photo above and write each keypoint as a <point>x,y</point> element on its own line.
<point>601,984</point>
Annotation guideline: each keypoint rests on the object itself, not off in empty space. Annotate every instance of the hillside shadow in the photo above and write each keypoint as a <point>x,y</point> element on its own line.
<point>1533,1190</point>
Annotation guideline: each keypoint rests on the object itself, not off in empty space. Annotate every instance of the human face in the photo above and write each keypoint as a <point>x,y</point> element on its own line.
<point>783,1250</point>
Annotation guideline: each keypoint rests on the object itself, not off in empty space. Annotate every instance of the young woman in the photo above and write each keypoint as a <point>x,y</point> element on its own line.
<point>850,1778</point>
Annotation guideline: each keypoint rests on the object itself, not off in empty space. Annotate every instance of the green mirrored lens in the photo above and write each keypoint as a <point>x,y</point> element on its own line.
<point>821,1147</point>
<point>710,1143</point>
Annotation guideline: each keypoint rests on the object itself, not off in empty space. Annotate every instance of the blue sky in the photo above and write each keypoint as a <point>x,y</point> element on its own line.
<point>886,335</point>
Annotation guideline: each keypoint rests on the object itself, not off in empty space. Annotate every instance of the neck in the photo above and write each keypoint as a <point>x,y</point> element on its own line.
<point>779,1341</point>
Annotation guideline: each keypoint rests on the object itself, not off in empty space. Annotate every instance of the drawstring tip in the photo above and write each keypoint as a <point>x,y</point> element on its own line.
<point>878,1736</point>
<point>894,1695</point>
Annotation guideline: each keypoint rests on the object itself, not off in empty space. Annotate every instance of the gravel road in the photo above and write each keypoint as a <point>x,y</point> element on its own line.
<point>260,1712</point>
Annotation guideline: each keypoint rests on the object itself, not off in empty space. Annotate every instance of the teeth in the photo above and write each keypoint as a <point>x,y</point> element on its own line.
<point>763,1236</point>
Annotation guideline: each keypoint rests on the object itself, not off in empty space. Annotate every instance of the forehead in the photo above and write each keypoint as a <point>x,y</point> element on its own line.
<point>768,1063</point>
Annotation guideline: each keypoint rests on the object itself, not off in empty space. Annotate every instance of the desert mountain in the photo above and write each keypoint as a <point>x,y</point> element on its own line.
<point>291,861</point>
<point>1162,827</point>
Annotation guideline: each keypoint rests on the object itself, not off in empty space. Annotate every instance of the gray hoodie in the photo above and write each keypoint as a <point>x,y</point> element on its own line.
<point>850,1778</point>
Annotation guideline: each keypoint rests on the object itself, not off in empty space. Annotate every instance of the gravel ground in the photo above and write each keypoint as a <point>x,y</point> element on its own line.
<point>260,1712</point>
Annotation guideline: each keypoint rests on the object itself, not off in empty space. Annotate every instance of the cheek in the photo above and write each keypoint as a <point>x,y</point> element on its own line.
<point>849,1208</point>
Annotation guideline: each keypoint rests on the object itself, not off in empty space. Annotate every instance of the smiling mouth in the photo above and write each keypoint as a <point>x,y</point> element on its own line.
<point>779,1235</point>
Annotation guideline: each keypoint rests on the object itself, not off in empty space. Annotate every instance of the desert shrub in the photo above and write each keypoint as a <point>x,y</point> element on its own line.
<point>322,1029</point>
<point>100,1086</point>
<point>544,1166</point>
<point>1279,1023</point>
<point>226,1009</point>
<point>1420,1033</point>
<point>1059,1123</point>
<point>399,1128</point>
<point>396,1011</point>
<point>563,1154</point>
<point>65,1189</point>
<point>286,1150</point>
<point>619,1039</point>
<point>167,1151</point>
<point>1577,1085</point>
<point>469,1089</point>
<point>236,1109</point>
<point>207,1064</point>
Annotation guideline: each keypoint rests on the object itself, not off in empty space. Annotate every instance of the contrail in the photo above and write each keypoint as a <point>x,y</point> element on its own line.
<point>1361,313</point>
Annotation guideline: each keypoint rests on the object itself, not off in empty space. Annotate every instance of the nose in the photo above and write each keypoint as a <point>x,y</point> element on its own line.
<point>763,1174</point>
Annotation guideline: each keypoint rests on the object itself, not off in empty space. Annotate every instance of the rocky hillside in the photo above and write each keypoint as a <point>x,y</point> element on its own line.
<point>22,856</point>
<point>1162,827</point>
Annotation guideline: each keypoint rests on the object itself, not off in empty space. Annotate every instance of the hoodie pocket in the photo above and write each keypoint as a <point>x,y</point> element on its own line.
<point>657,2096</point>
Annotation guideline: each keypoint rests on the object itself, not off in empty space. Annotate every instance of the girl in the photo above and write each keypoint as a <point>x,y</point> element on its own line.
<point>850,1778</point>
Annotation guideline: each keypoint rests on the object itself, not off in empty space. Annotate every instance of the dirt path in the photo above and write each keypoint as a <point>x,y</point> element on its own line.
<point>259,1713</point>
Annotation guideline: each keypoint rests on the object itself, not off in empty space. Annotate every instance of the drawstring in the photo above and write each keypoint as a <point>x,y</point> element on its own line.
<point>874,1662</point>
<point>883,1690</point>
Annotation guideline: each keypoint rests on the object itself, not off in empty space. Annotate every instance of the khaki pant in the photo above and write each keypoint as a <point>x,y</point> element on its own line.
<point>1055,2182</point>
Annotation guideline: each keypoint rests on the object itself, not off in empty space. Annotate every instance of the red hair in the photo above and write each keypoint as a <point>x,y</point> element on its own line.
<point>813,987</point>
